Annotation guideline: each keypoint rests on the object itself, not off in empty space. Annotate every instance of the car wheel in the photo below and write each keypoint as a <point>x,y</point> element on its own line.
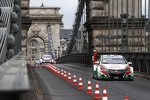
<point>95,75</point>
<point>130,79</point>
<point>121,77</point>
<point>111,77</point>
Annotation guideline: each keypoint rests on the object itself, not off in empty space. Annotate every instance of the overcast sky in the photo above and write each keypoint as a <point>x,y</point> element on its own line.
<point>68,9</point>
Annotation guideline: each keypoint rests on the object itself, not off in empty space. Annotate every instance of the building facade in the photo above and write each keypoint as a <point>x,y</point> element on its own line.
<point>65,37</point>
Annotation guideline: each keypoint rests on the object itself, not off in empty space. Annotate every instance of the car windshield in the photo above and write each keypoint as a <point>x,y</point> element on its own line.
<point>47,56</point>
<point>113,60</point>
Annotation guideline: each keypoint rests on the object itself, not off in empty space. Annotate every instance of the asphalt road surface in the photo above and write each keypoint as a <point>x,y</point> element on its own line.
<point>55,88</point>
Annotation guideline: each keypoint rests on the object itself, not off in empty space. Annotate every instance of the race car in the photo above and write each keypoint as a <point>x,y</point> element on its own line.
<point>113,66</point>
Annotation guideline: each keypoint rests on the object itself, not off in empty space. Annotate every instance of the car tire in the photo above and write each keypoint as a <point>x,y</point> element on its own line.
<point>95,76</point>
<point>130,79</point>
<point>111,77</point>
<point>121,77</point>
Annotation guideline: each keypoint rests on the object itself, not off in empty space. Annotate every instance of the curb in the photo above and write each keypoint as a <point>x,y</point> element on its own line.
<point>142,75</point>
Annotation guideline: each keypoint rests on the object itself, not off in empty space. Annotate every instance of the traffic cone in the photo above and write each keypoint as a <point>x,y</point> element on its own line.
<point>62,73</point>
<point>126,98</point>
<point>38,66</point>
<point>89,88</point>
<point>55,70</point>
<point>97,92</point>
<point>58,72</point>
<point>80,84</point>
<point>74,82</point>
<point>104,94</point>
<point>43,66</point>
<point>65,75</point>
<point>69,77</point>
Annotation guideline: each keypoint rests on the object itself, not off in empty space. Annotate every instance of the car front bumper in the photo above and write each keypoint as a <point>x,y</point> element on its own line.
<point>112,74</point>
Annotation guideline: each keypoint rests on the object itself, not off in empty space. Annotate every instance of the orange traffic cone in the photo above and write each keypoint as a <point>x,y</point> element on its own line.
<point>43,66</point>
<point>39,66</point>
<point>126,98</point>
<point>58,72</point>
<point>65,75</point>
<point>97,92</point>
<point>89,88</point>
<point>55,70</point>
<point>80,84</point>
<point>74,82</point>
<point>104,94</point>
<point>69,77</point>
<point>62,73</point>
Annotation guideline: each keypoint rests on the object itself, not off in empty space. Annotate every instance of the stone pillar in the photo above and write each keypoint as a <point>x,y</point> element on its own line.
<point>26,22</point>
<point>104,24</point>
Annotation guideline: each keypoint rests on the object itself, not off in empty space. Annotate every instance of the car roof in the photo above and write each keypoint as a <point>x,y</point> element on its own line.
<point>112,56</point>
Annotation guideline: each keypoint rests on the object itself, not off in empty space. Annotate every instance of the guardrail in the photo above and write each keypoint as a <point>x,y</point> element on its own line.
<point>140,61</point>
<point>14,78</point>
<point>74,58</point>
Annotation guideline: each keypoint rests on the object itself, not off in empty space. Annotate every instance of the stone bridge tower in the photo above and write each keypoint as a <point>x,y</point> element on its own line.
<point>45,21</point>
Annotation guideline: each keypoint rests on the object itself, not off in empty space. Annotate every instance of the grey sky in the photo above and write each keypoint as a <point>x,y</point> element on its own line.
<point>68,9</point>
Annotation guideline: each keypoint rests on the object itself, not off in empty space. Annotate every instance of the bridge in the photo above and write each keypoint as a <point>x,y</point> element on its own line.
<point>109,27</point>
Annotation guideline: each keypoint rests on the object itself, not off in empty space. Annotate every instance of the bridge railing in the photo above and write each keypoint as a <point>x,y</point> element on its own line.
<point>140,60</point>
<point>14,78</point>
<point>10,14</point>
<point>4,31</point>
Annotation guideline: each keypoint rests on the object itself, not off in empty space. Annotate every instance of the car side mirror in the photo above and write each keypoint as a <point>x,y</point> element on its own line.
<point>130,63</point>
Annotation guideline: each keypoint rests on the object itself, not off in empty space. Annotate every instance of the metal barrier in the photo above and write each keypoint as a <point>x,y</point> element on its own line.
<point>74,58</point>
<point>140,61</point>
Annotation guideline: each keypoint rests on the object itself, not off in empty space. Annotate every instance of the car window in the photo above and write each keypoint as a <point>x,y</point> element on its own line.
<point>47,56</point>
<point>113,60</point>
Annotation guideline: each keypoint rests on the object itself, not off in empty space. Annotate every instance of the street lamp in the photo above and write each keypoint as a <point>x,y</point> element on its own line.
<point>84,41</point>
<point>58,51</point>
<point>124,31</point>
<point>55,53</point>
<point>62,50</point>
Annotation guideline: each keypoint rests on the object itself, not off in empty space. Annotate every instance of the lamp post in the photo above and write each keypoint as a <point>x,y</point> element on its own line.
<point>67,43</point>
<point>55,53</point>
<point>58,51</point>
<point>84,42</point>
<point>124,31</point>
<point>62,50</point>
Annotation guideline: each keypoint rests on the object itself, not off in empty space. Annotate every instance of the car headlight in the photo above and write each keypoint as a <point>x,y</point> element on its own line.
<point>103,68</point>
<point>127,68</point>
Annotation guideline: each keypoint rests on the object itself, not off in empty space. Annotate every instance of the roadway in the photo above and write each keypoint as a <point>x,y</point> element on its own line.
<point>55,88</point>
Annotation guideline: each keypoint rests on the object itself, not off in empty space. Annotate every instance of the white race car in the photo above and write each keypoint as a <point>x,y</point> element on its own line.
<point>47,59</point>
<point>113,66</point>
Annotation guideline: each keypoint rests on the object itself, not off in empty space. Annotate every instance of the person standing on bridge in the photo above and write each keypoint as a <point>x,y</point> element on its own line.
<point>94,56</point>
